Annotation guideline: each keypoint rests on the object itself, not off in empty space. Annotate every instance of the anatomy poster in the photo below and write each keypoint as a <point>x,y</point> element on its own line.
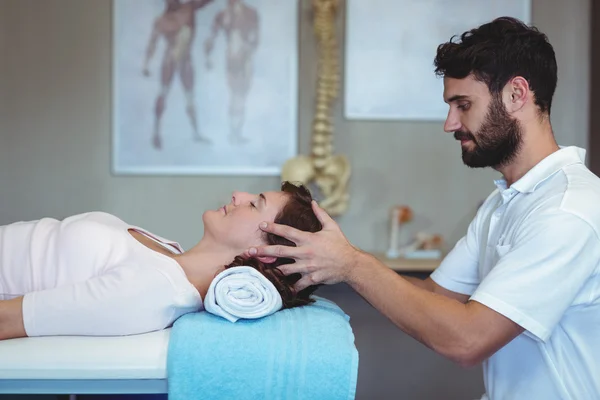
<point>204,86</point>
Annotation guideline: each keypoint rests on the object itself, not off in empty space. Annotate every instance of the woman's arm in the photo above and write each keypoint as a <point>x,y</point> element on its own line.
<point>11,318</point>
<point>125,300</point>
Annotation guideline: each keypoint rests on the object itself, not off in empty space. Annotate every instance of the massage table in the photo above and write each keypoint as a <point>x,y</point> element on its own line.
<point>85,365</point>
<point>298,353</point>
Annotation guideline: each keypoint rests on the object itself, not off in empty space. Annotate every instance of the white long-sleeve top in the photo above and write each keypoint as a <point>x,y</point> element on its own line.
<point>86,275</point>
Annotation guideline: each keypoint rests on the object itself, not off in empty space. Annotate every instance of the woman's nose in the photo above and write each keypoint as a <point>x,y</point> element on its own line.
<point>239,197</point>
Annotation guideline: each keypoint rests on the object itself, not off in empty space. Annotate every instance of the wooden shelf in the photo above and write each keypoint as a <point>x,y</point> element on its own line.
<point>409,264</point>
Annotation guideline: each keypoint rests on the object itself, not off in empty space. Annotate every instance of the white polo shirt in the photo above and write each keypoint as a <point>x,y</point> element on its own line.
<point>532,254</point>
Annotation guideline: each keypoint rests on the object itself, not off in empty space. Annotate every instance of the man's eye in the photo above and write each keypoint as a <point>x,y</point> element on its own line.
<point>463,107</point>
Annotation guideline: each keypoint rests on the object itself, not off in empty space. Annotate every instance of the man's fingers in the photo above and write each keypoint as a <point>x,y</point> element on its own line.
<point>322,215</point>
<point>274,251</point>
<point>295,268</point>
<point>246,254</point>
<point>287,232</point>
<point>298,267</point>
<point>304,282</point>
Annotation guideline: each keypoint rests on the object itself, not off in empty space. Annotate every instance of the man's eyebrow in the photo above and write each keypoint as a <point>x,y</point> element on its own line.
<point>262,196</point>
<point>457,97</point>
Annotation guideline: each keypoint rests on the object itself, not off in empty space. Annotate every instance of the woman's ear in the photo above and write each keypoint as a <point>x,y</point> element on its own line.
<point>267,259</point>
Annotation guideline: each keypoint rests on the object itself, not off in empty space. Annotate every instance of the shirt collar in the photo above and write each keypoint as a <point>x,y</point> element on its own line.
<point>545,169</point>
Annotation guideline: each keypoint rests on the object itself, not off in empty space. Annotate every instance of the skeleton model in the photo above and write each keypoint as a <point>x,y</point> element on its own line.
<point>329,172</point>
<point>423,245</point>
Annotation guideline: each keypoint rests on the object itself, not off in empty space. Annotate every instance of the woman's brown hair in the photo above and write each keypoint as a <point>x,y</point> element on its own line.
<point>297,213</point>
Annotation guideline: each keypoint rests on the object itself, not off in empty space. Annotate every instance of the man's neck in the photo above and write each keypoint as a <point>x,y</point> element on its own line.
<point>538,143</point>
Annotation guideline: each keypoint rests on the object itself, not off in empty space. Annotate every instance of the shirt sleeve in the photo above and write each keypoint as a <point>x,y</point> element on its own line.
<point>125,300</point>
<point>539,275</point>
<point>459,271</point>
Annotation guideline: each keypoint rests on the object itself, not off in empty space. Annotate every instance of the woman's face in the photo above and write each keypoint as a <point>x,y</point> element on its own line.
<point>236,224</point>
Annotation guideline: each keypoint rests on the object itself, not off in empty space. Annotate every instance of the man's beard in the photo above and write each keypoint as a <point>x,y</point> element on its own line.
<point>496,143</point>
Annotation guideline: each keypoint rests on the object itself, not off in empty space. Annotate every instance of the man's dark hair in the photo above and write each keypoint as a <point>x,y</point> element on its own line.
<point>498,51</point>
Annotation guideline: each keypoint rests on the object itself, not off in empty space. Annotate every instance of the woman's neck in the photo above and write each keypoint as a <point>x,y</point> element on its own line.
<point>203,262</point>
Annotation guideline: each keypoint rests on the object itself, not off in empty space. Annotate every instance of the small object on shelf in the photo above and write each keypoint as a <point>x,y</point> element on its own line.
<point>403,264</point>
<point>435,254</point>
<point>400,215</point>
<point>425,245</point>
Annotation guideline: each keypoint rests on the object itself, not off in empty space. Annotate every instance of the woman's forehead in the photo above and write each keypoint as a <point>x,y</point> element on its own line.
<point>278,197</point>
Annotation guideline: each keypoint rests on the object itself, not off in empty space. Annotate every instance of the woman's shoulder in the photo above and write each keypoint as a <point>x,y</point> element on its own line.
<point>101,216</point>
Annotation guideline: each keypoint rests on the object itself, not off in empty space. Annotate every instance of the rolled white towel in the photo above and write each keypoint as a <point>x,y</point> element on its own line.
<point>242,292</point>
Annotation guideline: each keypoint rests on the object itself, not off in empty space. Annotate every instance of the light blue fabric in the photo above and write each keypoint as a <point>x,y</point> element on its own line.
<point>300,353</point>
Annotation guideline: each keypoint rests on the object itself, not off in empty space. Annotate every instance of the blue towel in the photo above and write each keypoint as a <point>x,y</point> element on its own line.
<point>299,353</point>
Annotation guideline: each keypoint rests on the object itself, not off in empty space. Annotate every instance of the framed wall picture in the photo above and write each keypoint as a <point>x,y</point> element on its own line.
<point>204,86</point>
<point>390,48</point>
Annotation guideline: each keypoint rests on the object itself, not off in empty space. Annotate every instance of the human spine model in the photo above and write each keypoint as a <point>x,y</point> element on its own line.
<point>329,172</point>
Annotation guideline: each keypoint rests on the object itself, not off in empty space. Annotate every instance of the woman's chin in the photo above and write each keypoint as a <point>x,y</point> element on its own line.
<point>208,213</point>
<point>207,216</point>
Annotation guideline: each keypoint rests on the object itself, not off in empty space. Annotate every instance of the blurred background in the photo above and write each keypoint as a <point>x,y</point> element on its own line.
<point>55,160</point>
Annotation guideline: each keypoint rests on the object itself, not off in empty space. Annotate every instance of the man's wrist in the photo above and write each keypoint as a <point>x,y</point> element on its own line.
<point>357,259</point>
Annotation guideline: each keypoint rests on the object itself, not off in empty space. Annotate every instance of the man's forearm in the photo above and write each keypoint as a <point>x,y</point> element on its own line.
<point>11,318</point>
<point>435,320</point>
<point>422,283</point>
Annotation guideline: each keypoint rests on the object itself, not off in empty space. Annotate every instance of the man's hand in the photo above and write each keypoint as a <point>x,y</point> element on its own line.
<point>324,257</point>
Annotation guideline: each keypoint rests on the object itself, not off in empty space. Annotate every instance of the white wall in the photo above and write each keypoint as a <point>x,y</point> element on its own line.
<point>57,134</point>
<point>4,112</point>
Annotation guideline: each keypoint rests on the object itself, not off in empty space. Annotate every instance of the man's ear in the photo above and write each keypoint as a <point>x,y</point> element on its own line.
<point>267,259</point>
<point>517,93</point>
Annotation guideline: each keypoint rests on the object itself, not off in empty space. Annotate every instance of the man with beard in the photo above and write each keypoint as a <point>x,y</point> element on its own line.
<point>520,292</point>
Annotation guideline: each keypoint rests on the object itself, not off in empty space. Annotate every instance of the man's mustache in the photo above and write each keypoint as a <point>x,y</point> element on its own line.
<point>460,135</point>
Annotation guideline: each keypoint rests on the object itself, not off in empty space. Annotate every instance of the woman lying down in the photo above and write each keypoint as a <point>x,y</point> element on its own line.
<point>93,274</point>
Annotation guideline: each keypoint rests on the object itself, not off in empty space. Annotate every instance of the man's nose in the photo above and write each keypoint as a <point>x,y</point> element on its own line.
<point>452,123</point>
